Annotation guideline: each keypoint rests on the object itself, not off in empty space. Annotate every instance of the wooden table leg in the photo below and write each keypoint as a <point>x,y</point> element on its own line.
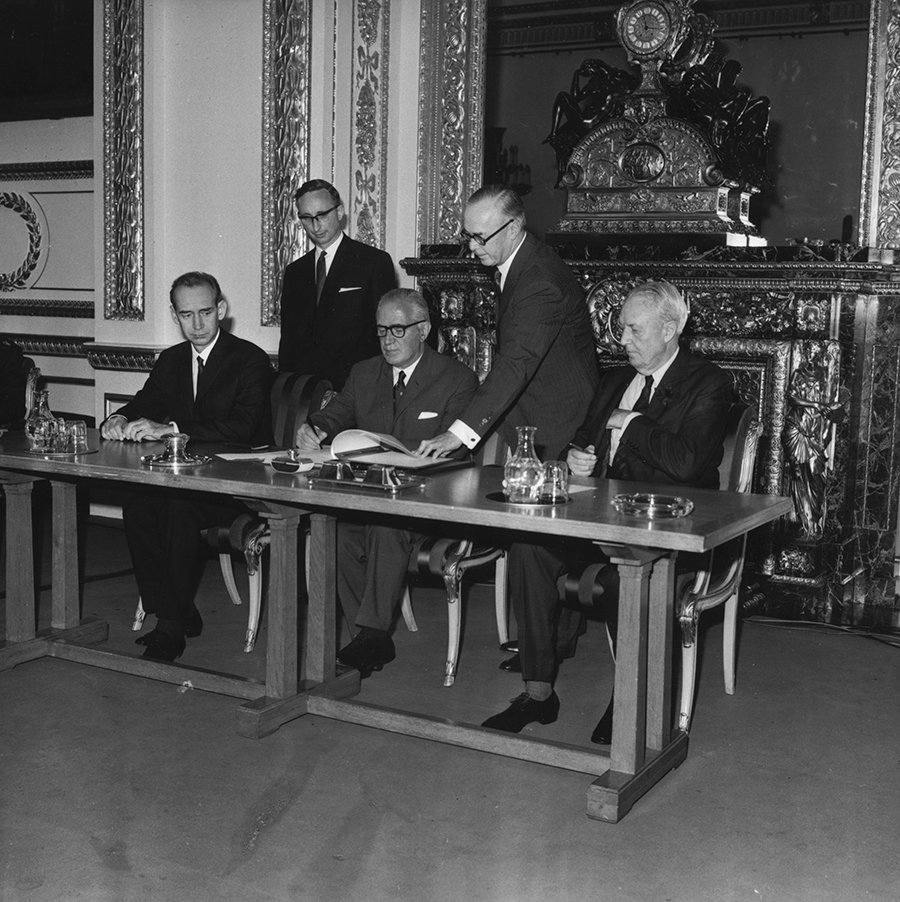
<point>21,614</point>
<point>642,750</point>
<point>321,629</point>
<point>285,699</point>
<point>630,714</point>
<point>66,609</point>
<point>281,645</point>
<point>661,618</point>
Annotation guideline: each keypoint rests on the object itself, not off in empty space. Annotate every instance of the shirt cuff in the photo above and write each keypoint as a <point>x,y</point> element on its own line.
<point>469,438</point>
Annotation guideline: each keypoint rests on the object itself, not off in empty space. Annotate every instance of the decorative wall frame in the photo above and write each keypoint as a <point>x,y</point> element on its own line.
<point>879,208</point>
<point>368,129</point>
<point>451,114</point>
<point>34,223</point>
<point>123,159</point>
<point>285,136</point>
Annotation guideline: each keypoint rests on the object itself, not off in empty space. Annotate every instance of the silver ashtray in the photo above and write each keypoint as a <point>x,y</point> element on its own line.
<point>653,507</point>
<point>176,454</point>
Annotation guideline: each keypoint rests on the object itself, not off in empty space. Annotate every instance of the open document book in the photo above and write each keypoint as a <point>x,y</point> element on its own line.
<point>377,448</point>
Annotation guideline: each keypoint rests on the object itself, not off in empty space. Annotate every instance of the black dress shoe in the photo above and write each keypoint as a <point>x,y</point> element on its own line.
<point>523,711</point>
<point>602,734</point>
<point>193,625</point>
<point>367,652</point>
<point>511,647</point>
<point>161,646</point>
<point>512,665</point>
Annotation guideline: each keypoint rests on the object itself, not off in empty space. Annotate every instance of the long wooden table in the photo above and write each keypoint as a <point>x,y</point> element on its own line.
<point>644,747</point>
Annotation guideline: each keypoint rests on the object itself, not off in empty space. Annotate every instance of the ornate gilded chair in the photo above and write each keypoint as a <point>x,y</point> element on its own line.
<point>720,582</point>
<point>449,559</point>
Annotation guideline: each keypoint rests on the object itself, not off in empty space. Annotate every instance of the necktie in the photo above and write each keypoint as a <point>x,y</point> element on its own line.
<point>320,275</point>
<point>399,385</point>
<point>498,279</point>
<point>199,374</point>
<point>643,401</point>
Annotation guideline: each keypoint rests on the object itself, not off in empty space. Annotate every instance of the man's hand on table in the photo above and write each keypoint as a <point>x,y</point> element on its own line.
<point>119,429</point>
<point>439,446</point>
<point>309,438</point>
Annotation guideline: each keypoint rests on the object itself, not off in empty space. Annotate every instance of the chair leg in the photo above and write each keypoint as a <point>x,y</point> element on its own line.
<point>501,598</point>
<point>453,581</point>
<point>139,616</point>
<point>688,676</point>
<point>408,616</point>
<point>228,576</point>
<point>256,582</point>
<point>729,642</point>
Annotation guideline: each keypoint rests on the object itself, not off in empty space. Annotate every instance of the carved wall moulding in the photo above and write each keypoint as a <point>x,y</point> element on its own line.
<point>55,170</point>
<point>368,131</point>
<point>116,357</point>
<point>34,226</point>
<point>123,159</point>
<point>47,307</point>
<point>50,345</point>
<point>285,135</point>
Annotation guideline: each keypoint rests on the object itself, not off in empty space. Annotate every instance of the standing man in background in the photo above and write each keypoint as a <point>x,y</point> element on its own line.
<point>330,294</point>
<point>544,372</point>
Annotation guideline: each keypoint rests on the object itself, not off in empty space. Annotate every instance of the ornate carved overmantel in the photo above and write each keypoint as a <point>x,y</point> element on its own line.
<point>813,342</point>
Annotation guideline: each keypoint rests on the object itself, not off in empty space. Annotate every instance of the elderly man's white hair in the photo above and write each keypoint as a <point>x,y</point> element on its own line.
<point>665,299</point>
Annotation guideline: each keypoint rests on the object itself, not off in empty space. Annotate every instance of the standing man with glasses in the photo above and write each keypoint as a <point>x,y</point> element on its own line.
<point>413,393</point>
<point>544,371</point>
<point>329,295</point>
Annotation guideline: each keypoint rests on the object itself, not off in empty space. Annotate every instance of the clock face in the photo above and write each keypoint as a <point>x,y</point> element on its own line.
<point>645,28</point>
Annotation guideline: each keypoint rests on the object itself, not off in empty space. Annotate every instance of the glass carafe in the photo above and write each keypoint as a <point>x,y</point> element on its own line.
<point>41,426</point>
<point>523,472</point>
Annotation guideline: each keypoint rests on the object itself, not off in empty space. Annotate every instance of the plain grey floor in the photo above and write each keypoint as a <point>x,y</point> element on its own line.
<point>117,788</point>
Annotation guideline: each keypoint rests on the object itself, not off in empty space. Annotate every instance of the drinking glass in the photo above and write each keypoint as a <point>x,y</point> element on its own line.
<point>555,485</point>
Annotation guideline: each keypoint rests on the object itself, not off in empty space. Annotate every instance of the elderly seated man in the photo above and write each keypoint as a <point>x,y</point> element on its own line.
<point>412,393</point>
<point>660,419</point>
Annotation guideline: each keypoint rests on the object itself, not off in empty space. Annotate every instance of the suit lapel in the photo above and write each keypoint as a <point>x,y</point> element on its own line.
<point>330,288</point>
<point>519,264</point>
<point>213,366</point>
<point>619,380</point>
<point>419,379</point>
<point>669,386</point>
<point>384,394</point>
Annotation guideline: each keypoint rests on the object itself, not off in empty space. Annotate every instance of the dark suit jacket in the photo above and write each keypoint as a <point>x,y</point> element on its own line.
<point>679,438</point>
<point>232,398</point>
<point>545,370</point>
<point>328,338</point>
<point>440,385</point>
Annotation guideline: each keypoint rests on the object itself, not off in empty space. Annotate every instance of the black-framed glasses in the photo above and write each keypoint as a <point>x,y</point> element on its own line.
<point>396,331</point>
<point>465,237</point>
<point>314,220</point>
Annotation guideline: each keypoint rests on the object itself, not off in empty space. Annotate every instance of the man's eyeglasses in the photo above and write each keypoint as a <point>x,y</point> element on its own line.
<point>314,220</point>
<point>396,331</point>
<point>465,237</point>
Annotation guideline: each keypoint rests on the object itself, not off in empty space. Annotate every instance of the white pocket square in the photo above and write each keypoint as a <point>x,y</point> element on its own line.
<point>427,415</point>
<point>352,288</point>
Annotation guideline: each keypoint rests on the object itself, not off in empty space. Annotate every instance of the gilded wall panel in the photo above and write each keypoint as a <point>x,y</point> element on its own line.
<point>123,159</point>
<point>285,135</point>
<point>371,43</point>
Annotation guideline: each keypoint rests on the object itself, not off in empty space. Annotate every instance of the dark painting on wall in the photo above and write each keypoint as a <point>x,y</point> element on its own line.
<point>46,59</point>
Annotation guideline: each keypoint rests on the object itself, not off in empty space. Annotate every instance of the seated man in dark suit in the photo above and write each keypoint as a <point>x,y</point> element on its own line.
<point>213,387</point>
<point>413,393</point>
<point>661,419</point>
<point>329,295</point>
